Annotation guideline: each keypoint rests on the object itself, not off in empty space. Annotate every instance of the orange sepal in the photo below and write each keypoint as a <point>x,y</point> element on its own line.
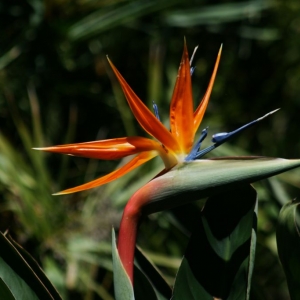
<point>144,116</point>
<point>134,163</point>
<point>199,112</point>
<point>181,108</point>
<point>107,149</point>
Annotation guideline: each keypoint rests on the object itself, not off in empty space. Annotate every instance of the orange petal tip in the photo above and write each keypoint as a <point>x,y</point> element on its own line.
<point>220,50</point>
<point>59,194</point>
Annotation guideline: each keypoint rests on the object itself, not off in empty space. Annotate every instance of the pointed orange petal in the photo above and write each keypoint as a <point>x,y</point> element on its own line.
<point>144,116</point>
<point>134,163</point>
<point>181,109</point>
<point>107,149</point>
<point>199,113</point>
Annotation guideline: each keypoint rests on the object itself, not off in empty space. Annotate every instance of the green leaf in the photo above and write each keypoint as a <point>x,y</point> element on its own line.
<point>17,286</point>
<point>20,277</point>
<point>214,14</point>
<point>191,181</point>
<point>162,289</point>
<point>122,283</point>
<point>36,269</point>
<point>218,262</point>
<point>143,289</point>
<point>288,243</point>
<point>5,293</point>
<point>102,19</point>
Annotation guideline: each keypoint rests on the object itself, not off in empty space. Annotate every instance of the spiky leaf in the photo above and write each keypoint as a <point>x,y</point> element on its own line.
<point>288,243</point>
<point>122,284</point>
<point>219,259</point>
<point>21,274</point>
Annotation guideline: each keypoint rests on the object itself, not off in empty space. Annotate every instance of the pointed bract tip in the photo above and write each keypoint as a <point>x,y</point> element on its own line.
<point>268,114</point>
<point>194,52</point>
<point>274,111</point>
<point>59,194</point>
<point>271,112</point>
<point>220,50</point>
<point>109,61</point>
<point>40,149</point>
<point>184,45</point>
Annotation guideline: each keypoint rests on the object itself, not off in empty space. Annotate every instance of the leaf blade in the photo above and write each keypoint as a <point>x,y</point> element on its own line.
<point>5,292</point>
<point>14,263</point>
<point>122,285</point>
<point>153,275</point>
<point>36,269</point>
<point>288,244</point>
<point>217,262</point>
<point>15,283</point>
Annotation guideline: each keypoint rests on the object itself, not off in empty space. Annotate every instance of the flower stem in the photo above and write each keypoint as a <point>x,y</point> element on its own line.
<point>127,237</point>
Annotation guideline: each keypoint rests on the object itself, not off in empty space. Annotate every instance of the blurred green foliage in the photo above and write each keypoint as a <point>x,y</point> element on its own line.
<point>56,87</point>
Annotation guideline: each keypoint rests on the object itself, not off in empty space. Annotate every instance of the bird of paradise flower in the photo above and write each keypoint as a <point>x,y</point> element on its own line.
<point>174,146</point>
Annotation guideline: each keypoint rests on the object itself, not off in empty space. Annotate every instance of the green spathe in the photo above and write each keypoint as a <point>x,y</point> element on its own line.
<point>194,180</point>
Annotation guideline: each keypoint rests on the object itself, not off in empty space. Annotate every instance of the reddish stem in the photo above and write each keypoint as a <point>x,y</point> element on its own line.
<point>128,229</point>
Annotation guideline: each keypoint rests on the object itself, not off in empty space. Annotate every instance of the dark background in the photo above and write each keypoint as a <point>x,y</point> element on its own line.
<point>56,87</point>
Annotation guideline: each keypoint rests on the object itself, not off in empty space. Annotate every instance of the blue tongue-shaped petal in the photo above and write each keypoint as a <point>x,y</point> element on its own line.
<point>220,138</point>
<point>197,146</point>
<point>155,108</point>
